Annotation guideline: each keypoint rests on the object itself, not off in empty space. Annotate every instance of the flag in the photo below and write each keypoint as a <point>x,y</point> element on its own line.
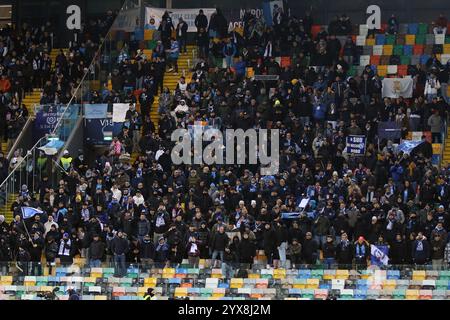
<point>397,87</point>
<point>408,145</point>
<point>120,111</point>
<point>52,147</point>
<point>290,215</point>
<point>28,212</point>
<point>379,255</point>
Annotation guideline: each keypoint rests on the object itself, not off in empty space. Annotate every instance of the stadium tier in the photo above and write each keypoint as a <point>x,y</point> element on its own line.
<point>144,143</point>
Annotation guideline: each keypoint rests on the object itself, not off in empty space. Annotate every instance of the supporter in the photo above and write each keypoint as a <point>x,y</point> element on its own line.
<point>165,28</point>
<point>393,25</point>
<point>96,251</point>
<point>181,30</point>
<point>201,21</point>
<point>362,252</point>
<point>420,250</point>
<point>329,252</point>
<point>119,247</point>
<point>173,54</point>
<point>219,241</point>
<point>440,26</point>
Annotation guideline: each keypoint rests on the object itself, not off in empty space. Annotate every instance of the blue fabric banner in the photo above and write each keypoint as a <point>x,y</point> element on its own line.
<point>95,111</point>
<point>98,131</point>
<point>379,255</point>
<point>408,145</point>
<point>389,130</point>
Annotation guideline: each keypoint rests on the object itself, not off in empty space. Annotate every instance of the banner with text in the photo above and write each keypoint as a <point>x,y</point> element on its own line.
<point>98,131</point>
<point>95,111</point>
<point>188,16</point>
<point>356,145</point>
<point>379,255</point>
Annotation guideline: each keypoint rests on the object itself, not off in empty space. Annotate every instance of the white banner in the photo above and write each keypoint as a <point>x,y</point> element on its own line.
<point>126,20</point>
<point>120,111</point>
<point>396,87</point>
<point>188,16</point>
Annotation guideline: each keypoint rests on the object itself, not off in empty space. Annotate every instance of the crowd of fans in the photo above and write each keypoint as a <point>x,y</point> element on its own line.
<point>153,211</point>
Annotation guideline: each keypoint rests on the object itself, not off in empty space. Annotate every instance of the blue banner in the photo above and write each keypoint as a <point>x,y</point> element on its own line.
<point>98,131</point>
<point>45,122</point>
<point>270,8</point>
<point>47,119</point>
<point>389,130</point>
<point>408,145</point>
<point>356,145</point>
<point>95,111</point>
<point>290,215</point>
<point>379,255</point>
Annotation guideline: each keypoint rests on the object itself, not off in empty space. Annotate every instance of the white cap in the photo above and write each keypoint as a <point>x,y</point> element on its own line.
<point>66,152</point>
<point>253,202</point>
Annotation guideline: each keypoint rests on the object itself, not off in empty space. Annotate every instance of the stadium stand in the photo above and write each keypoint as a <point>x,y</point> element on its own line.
<point>112,226</point>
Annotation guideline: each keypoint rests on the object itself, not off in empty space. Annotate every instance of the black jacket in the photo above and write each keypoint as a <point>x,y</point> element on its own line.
<point>219,241</point>
<point>183,27</point>
<point>147,249</point>
<point>397,252</point>
<point>201,21</point>
<point>246,251</point>
<point>96,250</point>
<point>344,252</point>
<point>119,245</point>
<point>329,250</point>
<point>310,248</point>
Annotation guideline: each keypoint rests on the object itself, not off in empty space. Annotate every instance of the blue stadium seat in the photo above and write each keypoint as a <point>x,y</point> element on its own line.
<point>360,294</point>
<point>293,291</point>
<point>380,39</point>
<point>393,274</point>
<point>224,285</point>
<point>361,284</point>
<point>325,285</point>
<point>304,273</point>
<point>407,50</point>
<point>424,58</point>
<point>413,28</point>
<point>174,281</point>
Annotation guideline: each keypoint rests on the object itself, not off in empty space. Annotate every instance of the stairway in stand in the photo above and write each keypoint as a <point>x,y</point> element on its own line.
<point>5,208</point>
<point>4,148</point>
<point>446,153</point>
<point>185,63</point>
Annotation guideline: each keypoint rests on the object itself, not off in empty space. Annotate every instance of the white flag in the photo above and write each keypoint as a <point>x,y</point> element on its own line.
<point>120,111</point>
<point>397,87</point>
